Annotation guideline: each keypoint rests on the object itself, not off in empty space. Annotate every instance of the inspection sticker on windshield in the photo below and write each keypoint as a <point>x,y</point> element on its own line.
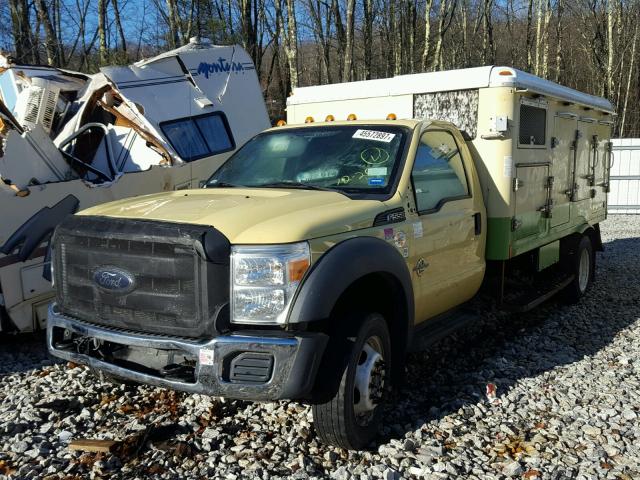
<point>206,356</point>
<point>385,137</point>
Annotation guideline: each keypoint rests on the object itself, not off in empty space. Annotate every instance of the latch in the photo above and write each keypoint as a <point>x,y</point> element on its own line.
<point>591,179</point>
<point>546,209</point>
<point>517,183</point>
<point>549,183</point>
<point>605,187</point>
<point>515,224</point>
<point>554,142</point>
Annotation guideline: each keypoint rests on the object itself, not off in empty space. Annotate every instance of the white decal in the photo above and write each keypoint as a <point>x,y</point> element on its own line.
<point>417,230</point>
<point>508,166</point>
<point>385,137</point>
<point>206,356</point>
<point>377,171</point>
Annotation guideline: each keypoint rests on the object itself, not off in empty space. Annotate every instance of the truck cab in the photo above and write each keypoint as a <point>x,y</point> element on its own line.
<point>300,271</point>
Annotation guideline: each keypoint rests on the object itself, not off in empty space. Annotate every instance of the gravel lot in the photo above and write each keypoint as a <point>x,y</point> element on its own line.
<point>567,405</point>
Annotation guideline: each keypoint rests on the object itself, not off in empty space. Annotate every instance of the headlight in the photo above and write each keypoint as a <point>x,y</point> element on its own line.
<point>264,280</point>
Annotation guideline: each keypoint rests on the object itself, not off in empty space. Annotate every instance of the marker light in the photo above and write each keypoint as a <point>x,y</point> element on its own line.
<point>308,120</point>
<point>329,118</point>
<point>505,73</point>
<point>351,117</point>
<point>281,123</point>
<point>392,116</point>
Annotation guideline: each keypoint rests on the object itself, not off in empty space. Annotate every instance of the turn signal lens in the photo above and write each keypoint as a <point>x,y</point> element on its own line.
<point>351,117</point>
<point>297,269</point>
<point>308,120</point>
<point>329,118</point>
<point>392,116</point>
<point>281,123</point>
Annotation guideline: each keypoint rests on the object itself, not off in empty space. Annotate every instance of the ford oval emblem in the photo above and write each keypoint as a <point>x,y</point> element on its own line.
<point>114,280</point>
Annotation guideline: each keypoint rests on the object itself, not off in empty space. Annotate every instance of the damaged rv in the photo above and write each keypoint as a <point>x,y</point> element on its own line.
<point>69,141</point>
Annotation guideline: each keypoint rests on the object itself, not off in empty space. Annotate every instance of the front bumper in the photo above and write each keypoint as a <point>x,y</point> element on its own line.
<point>294,358</point>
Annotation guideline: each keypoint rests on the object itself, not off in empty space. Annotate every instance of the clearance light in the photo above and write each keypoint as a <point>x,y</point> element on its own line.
<point>329,118</point>
<point>505,73</point>
<point>392,116</point>
<point>281,123</point>
<point>308,120</point>
<point>352,117</point>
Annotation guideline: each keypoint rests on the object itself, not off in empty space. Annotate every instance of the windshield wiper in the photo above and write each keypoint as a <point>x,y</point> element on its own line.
<point>221,185</point>
<point>300,185</point>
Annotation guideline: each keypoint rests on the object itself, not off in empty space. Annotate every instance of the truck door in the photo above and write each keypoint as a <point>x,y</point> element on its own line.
<point>564,132</point>
<point>447,261</point>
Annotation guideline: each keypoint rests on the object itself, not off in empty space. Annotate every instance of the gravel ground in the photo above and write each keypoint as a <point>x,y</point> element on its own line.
<point>566,405</point>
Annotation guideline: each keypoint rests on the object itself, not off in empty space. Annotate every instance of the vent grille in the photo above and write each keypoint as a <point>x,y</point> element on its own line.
<point>33,105</point>
<point>533,125</point>
<point>176,290</point>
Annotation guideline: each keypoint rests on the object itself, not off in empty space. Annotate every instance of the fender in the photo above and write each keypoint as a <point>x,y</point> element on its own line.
<point>342,265</point>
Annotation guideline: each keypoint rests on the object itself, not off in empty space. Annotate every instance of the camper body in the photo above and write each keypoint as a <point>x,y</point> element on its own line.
<point>71,141</point>
<point>322,252</point>
<point>542,150</point>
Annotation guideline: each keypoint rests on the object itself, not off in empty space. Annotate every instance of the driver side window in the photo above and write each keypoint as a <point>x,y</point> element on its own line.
<point>438,171</point>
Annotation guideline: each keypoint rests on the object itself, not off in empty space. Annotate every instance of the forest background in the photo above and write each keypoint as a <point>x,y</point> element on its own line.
<point>589,45</point>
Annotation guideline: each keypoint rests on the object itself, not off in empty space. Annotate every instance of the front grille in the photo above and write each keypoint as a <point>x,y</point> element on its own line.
<point>177,289</point>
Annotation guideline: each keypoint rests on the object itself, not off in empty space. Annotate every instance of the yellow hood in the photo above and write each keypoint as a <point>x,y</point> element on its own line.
<point>252,216</point>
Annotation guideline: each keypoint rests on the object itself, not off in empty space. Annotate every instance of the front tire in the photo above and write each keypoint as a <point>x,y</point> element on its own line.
<point>352,417</point>
<point>581,263</point>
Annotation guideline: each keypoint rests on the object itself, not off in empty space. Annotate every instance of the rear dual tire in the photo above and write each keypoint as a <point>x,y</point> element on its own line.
<point>581,263</point>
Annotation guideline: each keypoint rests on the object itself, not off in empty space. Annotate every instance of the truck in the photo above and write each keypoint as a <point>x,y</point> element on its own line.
<point>324,250</point>
<point>69,141</point>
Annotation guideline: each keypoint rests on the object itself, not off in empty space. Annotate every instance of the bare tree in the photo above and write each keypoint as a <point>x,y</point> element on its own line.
<point>51,39</point>
<point>347,72</point>
<point>21,30</point>
<point>367,8</point>
<point>427,33</point>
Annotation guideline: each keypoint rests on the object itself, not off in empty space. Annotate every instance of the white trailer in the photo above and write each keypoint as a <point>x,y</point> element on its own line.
<point>69,141</point>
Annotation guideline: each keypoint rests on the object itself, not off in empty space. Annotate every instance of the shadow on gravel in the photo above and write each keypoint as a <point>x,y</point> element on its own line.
<point>23,352</point>
<point>505,348</point>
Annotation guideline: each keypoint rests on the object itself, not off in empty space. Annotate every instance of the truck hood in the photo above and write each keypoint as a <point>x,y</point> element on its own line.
<point>252,216</point>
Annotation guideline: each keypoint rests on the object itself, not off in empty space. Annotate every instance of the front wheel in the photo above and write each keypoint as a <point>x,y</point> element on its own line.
<point>352,417</point>
<point>581,263</point>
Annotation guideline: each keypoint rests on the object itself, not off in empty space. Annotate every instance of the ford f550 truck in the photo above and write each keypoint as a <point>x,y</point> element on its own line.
<point>320,253</point>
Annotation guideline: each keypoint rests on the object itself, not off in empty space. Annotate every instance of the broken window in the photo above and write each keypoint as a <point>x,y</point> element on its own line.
<point>198,137</point>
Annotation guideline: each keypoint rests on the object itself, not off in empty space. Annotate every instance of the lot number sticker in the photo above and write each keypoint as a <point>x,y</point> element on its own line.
<point>206,356</point>
<point>385,137</point>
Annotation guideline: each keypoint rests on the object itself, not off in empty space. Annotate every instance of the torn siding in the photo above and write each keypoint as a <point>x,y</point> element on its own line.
<point>459,107</point>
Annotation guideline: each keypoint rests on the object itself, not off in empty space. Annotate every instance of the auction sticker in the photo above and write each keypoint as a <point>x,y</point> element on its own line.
<point>206,356</point>
<point>376,135</point>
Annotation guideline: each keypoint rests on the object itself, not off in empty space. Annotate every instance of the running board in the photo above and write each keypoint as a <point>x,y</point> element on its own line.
<point>529,302</point>
<point>439,327</point>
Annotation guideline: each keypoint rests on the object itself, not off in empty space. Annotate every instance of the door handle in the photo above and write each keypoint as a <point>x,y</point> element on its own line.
<point>477,223</point>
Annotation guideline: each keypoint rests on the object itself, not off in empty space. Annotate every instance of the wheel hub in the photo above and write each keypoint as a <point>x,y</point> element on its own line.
<point>369,381</point>
<point>584,270</point>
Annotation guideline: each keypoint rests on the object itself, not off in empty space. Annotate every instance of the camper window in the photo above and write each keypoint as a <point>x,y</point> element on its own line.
<point>533,125</point>
<point>198,137</point>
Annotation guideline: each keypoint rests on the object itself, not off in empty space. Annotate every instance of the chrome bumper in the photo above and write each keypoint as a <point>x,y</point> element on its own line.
<point>296,357</point>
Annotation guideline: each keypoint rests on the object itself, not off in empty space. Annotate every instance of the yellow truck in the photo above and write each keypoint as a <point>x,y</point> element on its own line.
<point>320,253</point>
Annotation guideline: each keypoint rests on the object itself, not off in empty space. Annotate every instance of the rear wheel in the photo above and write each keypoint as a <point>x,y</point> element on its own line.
<point>581,263</point>
<point>351,418</point>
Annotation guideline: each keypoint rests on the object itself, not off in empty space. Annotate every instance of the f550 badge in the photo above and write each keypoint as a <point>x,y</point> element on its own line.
<point>114,280</point>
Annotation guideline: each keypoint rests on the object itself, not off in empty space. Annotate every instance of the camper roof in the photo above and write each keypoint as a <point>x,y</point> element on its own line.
<point>448,80</point>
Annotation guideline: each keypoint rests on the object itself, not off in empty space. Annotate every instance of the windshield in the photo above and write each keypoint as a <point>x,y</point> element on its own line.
<point>344,158</point>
